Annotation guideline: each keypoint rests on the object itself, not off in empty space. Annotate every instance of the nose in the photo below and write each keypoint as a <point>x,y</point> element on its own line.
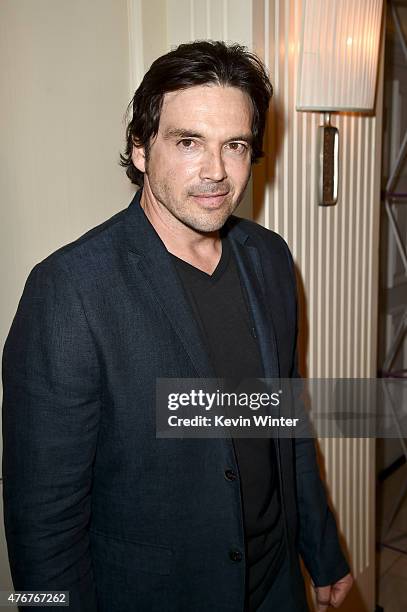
<point>213,166</point>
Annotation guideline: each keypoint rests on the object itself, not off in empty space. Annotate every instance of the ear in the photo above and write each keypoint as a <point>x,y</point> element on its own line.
<point>138,158</point>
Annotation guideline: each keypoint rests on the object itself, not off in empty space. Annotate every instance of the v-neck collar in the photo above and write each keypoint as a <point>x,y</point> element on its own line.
<point>204,276</point>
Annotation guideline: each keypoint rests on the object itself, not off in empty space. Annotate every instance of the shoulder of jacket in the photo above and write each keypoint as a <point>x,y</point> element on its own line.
<point>93,243</point>
<point>258,232</point>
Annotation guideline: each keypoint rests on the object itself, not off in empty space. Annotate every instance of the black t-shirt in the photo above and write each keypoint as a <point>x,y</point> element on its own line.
<point>221,309</point>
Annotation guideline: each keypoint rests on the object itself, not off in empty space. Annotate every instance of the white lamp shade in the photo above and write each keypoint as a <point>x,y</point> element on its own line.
<point>339,55</point>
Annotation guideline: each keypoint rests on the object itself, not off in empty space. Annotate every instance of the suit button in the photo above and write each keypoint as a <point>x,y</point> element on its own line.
<point>236,555</point>
<point>230,475</point>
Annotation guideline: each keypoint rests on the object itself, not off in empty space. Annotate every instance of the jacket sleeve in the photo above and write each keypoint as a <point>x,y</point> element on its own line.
<point>51,412</point>
<point>318,537</point>
<point>318,541</point>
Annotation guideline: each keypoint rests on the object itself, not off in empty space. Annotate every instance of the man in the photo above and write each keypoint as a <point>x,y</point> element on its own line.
<point>170,287</point>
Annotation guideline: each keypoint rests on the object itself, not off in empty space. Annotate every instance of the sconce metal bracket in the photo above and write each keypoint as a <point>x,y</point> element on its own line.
<point>328,170</point>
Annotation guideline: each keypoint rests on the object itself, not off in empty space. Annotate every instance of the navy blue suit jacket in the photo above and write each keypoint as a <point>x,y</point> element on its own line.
<point>93,502</point>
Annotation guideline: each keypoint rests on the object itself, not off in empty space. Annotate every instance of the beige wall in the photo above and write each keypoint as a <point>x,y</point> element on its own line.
<point>64,88</point>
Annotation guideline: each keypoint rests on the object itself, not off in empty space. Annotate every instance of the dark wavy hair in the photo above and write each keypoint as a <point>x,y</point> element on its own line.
<point>196,63</point>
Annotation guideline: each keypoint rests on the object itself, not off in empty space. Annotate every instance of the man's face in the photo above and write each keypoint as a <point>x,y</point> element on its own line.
<point>199,163</point>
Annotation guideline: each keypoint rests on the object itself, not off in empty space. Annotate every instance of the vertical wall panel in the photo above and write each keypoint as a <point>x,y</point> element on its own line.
<point>197,19</point>
<point>199,27</point>
<point>179,22</point>
<point>214,19</point>
<point>335,251</point>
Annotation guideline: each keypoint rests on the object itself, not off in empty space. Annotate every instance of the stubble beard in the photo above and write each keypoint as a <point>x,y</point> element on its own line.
<point>187,211</point>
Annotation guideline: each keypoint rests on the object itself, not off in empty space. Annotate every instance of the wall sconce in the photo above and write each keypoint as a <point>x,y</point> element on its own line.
<point>337,72</point>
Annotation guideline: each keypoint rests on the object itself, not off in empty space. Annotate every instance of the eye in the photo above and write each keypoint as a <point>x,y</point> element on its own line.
<point>186,143</point>
<point>237,147</point>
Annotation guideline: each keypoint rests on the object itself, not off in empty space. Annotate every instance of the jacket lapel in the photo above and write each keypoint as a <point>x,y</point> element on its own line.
<point>251,274</point>
<point>149,255</point>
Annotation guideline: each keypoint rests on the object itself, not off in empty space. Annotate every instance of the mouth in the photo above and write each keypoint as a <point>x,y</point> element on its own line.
<point>210,200</point>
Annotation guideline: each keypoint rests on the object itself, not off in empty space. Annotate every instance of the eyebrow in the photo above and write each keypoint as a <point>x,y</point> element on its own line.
<point>181,133</point>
